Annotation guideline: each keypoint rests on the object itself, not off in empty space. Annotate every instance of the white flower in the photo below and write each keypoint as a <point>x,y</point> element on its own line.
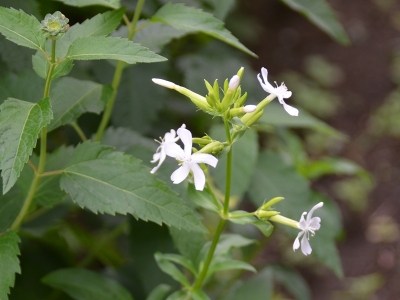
<point>169,137</point>
<point>281,92</point>
<point>189,161</point>
<point>249,108</point>
<point>234,83</point>
<point>307,226</point>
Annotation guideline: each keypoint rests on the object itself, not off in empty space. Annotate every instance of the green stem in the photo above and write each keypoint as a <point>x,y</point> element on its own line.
<point>79,131</point>
<point>237,216</point>
<point>203,273</point>
<point>43,139</point>
<point>117,75</point>
<point>197,285</point>
<point>51,173</point>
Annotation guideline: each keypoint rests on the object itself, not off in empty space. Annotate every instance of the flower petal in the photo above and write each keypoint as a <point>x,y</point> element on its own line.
<point>287,94</point>
<point>296,243</point>
<point>266,86</point>
<point>174,150</point>
<point>305,245</point>
<point>204,158</point>
<point>180,174</point>
<point>302,222</point>
<point>170,137</point>
<point>290,109</point>
<point>199,177</point>
<point>316,206</point>
<point>186,138</point>
<point>156,157</point>
<point>162,157</point>
<point>315,223</point>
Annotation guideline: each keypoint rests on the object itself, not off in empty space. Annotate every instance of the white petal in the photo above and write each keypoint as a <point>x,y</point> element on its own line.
<point>266,86</point>
<point>204,158</point>
<point>156,157</point>
<point>309,216</point>
<point>162,157</point>
<point>290,109</point>
<point>302,222</point>
<point>305,245</point>
<point>234,82</point>
<point>199,177</point>
<point>315,223</point>
<point>174,150</point>
<point>170,137</point>
<point>249,108</point>
<point>180,174</point>
<point>186,138</point>
<point>164,83</point>
<point>287,94</point>
<point>296,243</point>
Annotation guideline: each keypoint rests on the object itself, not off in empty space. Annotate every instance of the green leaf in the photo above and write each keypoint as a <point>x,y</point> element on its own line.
<point>21,28</point>
<point>242,169</point>
<point>20,125</point>
<point>100,26</point>
<point>92,48</point>
<point>180,260</point>
<point>71,97</point>
<point>16,58</point>
<point>322,15</point>
<point>41,66</point>
<point>189,244</point>
<point>259,287</point>
<point>160,292</point>
<point>83,284</point>
<point>224,264</point>
<point>275,115</point>
<point>292,281</point>
<point>9,263</point>
<point>204,199</point>
<point>191,19</point>
<point>111,182</point>
<point>10,86</point>
<point>265,227</point>
<point>10,206</point>
<point>80,3</point>
<point>169,268</point>
<point>156,35</point>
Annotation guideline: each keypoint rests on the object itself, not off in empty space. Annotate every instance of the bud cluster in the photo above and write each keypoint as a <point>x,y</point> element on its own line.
<point>54,25</point>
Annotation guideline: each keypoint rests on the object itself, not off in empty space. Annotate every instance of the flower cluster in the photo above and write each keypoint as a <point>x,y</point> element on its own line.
<point>189,161</point>
<point>54,25</point>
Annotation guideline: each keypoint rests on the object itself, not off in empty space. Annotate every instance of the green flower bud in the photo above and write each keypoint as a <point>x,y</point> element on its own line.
<point>212,148</point>
<point>54,25</point>
<point>285,221</point>
<point>265,214</point>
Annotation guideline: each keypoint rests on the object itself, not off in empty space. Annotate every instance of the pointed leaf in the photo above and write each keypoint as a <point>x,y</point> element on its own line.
<point>21,28</point>
<point>10,206</point>
<point>92,48</point>
<point>41,66</point>
<point>112,182</point>
<point>83,284</point>
<point>189,244</point>
<point>191,19</point>
<point>265,227</point>
<point>229,264</point>
<point>171,269</point>
<point>159,292</point>
<point>71,97</point>
<point>9,263</point>
<point>321,14</point>
<point>80,3</point>
<point>20,124</point>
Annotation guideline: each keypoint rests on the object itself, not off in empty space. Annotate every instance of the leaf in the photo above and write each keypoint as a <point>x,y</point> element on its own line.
<point>159,292</point>
<point>10,206</point>
<point>83,284</point>
<point>112,182</point>
<point>156,35</point>
<point>100,26</point>
<point>80,3</point>
<point>21,28</point>
<point>265,227</point>
<point>229,264</point>
<point>171,269</point>
<point>275,115</point>
<point>322,15</point>
<point>71,97</point>
<point>92,48</point>
<point>10,86</point>
<point>9,263</point>
<point>204,199</point>
<point>41,66</point>
<point>20,124</point>
<point>259,287</point>
<point>242,169</point>
<point>292,281</point>
<point>191,19</point>
<point>221,8</point>
<point>16,58</point>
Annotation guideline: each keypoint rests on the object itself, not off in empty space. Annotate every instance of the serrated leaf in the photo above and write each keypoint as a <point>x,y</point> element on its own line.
<point>41,66</point>
<point>99,25</point>
<point>10,206</point>
<point>112,182</point>
<point>191,19</point>
<point>167,267</point>
<point>9,263</point>
<point>71,97</point>
<point>83,284</point>
<point>322,15</point>
<point>92,48</point>
<point>10,86</point>
<point>20,124</point>
<point>80,3</point>
<point>21,28</point>
<point>242,169</point>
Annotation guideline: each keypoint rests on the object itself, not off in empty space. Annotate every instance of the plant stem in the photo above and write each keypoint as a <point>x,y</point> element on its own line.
<point>221,225</point>
<point>79,131</point>
<point>117,76</point>
<point>43,139</point>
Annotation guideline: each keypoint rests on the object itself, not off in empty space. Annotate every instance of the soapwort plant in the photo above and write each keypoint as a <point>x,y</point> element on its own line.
<point>53,191</point>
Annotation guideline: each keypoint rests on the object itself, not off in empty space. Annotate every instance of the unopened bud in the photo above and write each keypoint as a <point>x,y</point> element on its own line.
<point>265,214</point>
<point>285,221</point>
<point>271,202</point>
<point>164,83</point>
<point>249,108</point>
<point>234,83</point>
<point>212,148</point>
<point>54,25</point>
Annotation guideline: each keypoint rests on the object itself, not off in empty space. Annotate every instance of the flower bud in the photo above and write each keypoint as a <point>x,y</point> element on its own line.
<point>54,25</point>
<point>234,83</point>
<point>265,214</point>
<point>285,221</point>
<point>164,83</point>
<point>271,202</point>
<point>249,108</point>
<point>212,148</point>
